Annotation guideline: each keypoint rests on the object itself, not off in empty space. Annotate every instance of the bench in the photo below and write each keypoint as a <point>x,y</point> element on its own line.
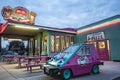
<point>8,58</point>
<point>38,63</point>
<point>30,66</point>
<point>21,60</point>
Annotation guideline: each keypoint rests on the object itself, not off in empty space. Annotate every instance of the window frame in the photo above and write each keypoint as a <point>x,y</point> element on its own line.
<point>82,51</point>
<point>58,44</point>
<point>53,43</point>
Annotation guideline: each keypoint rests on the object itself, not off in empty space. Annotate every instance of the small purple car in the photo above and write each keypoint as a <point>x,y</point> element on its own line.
<point>75,60</point>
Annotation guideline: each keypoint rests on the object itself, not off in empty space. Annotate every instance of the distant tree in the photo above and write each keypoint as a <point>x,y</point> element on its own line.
<point>17,46</point>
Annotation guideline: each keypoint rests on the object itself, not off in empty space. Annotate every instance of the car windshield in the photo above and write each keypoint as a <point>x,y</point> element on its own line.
<point>64,55</point>
<point>67,52</point>
<point>71,49</point>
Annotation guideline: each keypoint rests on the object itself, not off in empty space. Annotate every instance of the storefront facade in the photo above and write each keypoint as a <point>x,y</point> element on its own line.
<point>59,41</point>
<point>104,35</point>
<point>49,41</point>
<point>41,40</point>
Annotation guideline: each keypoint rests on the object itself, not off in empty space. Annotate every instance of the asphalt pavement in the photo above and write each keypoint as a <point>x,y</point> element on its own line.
<point>109,71</point>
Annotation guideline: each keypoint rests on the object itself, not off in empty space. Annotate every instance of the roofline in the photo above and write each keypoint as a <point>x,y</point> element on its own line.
<point>44,27</point>
<point>101,24</point>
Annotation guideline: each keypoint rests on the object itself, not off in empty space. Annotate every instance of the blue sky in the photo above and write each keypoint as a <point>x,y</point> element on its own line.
<point>66,13</point>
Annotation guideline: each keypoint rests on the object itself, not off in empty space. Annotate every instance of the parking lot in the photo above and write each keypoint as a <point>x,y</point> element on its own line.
<point>109,71</point>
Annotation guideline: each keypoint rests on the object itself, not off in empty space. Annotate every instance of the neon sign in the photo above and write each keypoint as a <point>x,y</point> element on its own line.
<point>95,36</point>
<point>18,14</point>
<point>21,11</point>
<point>108,24</point>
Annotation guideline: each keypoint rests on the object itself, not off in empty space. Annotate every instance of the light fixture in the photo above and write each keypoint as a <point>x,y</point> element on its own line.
<point>26,27</point>
<point>107,24</point>
<point>15,39</point>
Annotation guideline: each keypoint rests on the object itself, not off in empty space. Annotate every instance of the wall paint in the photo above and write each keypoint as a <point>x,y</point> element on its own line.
<point>112,34</point>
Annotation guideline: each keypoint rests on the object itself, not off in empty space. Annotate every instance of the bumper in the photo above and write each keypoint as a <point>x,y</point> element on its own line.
<point>101,63</point>
<point>51,70</point>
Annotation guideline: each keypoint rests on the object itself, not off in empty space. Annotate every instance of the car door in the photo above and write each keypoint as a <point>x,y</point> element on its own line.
<point>83,59</point>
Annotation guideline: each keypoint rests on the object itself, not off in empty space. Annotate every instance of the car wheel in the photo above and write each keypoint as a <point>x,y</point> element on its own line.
<point>95,69</point>
<point>66,74</point>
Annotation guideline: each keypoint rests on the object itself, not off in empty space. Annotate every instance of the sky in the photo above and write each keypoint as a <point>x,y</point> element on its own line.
<point>66,13</point>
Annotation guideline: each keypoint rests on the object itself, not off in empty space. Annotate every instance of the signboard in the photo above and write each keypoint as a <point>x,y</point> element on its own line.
<point>18,14</point>
<point>96,36</point>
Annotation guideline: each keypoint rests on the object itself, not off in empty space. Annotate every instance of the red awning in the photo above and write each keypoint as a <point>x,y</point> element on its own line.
<point>3,27</point>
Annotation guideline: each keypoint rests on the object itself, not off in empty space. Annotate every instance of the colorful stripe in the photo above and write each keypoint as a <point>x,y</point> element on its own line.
<point>108,24</point>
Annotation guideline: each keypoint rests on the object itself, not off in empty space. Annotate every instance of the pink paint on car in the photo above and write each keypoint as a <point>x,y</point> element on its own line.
<point>75,60</point>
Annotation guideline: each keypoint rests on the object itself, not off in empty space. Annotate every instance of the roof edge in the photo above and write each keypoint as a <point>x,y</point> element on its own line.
<point>46,28</point>
<point>101,22</point>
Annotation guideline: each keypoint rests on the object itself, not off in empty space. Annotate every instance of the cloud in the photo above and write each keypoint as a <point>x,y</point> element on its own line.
<point>67,13</point>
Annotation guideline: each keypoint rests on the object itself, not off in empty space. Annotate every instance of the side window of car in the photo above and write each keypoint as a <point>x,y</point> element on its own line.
<point>87,50</point>
<point>79,52</point>
<point>84,51</point>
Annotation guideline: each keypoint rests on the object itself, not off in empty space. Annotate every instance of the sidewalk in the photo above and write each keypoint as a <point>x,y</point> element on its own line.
<point>12,72</point>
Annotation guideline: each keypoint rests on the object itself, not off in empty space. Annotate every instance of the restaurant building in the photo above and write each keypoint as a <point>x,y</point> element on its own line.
<point>49,41</point>
<point>42,40</point>
<point>104,35</point>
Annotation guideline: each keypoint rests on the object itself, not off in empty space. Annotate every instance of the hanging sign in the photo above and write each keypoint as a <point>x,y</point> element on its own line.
<point>18,14</point>
<point>96,36</point>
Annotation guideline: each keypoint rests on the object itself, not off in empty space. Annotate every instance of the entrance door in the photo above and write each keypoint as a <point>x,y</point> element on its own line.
<point>102,48</point>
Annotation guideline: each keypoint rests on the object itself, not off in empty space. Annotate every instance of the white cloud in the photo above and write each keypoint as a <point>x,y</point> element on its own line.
<point>67,13</point>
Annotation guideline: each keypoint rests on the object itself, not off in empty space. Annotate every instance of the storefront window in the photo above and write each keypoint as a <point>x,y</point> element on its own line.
<point>72,39</point>
<point>31,46</point>
<point>57,43</point>
<point>62,42</point>
<point>68,41</point>
<point>52,39</point>
<point>45,43</point>
<point>36,48</point>
<point>101,44</point>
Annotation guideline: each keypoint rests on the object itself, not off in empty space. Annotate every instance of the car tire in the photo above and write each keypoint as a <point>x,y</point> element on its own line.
<point>66,74</point>
<point>95,69</point>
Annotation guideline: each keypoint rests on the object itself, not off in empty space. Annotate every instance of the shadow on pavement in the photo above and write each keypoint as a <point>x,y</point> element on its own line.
<point>118,78</point>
